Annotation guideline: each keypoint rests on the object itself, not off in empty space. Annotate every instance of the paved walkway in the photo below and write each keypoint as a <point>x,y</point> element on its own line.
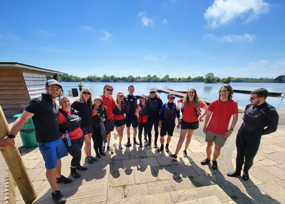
<point>135,175</point>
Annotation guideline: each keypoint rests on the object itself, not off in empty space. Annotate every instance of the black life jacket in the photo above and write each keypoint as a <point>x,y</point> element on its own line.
<point>144,110</point>
<point>73,122</point>
<point>169,113</point>
<point>153,105</point>
<point>254,118</point>
<point>120,111</point>
<point>128,105</point>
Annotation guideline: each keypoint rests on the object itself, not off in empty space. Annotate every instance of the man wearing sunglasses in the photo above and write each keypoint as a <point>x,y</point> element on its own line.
<point>259,119</point>
<point>45,117</point>
<point>167,115</point>
<point>217,130</point>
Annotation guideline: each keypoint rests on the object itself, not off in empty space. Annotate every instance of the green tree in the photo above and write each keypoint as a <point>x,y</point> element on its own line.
<point>209,78</point>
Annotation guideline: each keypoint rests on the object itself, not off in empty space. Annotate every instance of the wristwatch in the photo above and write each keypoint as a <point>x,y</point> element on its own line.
<point>11,136</point>
<point>231,129</point>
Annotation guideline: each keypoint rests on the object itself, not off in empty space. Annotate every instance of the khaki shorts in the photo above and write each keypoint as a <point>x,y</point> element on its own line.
<point>219,139</point>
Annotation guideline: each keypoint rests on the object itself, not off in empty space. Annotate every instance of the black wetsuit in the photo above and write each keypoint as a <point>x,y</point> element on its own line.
<point>154,105</point>
<point>256,118</point>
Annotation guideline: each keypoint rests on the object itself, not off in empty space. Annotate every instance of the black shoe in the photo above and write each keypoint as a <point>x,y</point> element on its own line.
<point>58,197</point>
<point>173,156</point>
<point>184,154</point>
<point>74,173</point>
<point>81,168</point>
<point>93,158</point>
<point>205,161</point>
<point>98,156</point>
<point>128,144</point>
<point>63,179</point>
<point>233,174</point>
<point>214,165</point>
<point>141,145</point>
<point>147,144</point>
<point>245,176</point>
<point>103,148</point>
<point>136,142</point>
<point>89,160</point>
<point>103,153</point>
<point>155,145</point>
<point>166,149</point>
<point>160,149</point>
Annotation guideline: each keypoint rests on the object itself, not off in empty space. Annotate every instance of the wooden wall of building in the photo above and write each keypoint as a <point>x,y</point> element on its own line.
<point>14,95</point>
<point>35,83</point>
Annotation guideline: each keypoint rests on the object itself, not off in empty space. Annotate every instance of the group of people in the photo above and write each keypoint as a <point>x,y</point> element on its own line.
<point>66,129</point>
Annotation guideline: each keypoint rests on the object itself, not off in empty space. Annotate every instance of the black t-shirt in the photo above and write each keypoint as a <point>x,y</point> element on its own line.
<point>85,112</point>
<point>45,118</point>
<point>154,112</point>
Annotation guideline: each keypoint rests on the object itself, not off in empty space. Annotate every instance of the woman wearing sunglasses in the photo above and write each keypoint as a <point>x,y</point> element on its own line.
<point>84,108</point>
<point>190,119</point>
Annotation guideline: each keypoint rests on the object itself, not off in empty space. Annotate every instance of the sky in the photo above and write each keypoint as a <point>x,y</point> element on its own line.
<point>181,38</point>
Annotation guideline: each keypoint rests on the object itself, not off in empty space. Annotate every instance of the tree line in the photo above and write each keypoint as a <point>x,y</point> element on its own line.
<point>208,78</point>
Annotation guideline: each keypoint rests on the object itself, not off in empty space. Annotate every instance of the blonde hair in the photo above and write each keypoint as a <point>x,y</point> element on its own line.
<point>105,87</point>
<point>196,100</point>
<point>81,99</point>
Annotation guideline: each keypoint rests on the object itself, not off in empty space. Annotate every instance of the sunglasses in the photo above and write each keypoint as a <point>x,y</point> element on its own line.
<point>87,93</point>
<point>152,92</point>
<point>252,98</point>
<point>172,98</point>
<point>223,91</point>
<point>109,89</point>
<point>191,92</point>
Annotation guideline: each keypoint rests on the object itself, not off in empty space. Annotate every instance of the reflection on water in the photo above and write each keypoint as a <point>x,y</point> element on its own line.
<point>210,91</point>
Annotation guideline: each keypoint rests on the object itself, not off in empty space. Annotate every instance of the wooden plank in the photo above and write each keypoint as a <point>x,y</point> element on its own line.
<point>35,79</point>
<point>33,74</point>
<point>12,88</point>
<point>38,83</point>
<point>7,92</point>
<point>14,102</point>
<point>4,106</point>
<point>10,78</point>
<point>12,83</point>
<point>15,97</point>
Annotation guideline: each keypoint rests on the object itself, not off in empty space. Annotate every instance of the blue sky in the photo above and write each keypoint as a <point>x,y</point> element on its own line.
<point>180,38</point>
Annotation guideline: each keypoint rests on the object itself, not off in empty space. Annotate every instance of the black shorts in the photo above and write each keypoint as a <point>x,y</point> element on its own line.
<point>193,125</point>
<point>87,130</point>
<point>167,130</point>
<point>131,120</point>
<point>119,123</point>
<point>109,125</point>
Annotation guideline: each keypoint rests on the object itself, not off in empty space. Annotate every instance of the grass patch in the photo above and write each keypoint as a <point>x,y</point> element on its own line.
<point>123,186</point>
<point>195,183</point>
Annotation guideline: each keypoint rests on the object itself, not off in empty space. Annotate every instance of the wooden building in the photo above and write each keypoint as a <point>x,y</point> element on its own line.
<point>19,83</point>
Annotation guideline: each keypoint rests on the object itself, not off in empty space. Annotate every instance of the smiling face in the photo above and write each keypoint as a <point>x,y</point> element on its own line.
<point>131,90</point>
<point>108,91</point>
<point>53,91</point>
<point>86,95</point>
<point>191,94</point>
<point>224,93</point>
<point>170,98</point>
<point>97,102</point>
<point>152,94</point>
<point>65,103</point>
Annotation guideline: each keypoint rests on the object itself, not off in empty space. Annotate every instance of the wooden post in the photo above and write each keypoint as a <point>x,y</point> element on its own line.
<point>14,162</point>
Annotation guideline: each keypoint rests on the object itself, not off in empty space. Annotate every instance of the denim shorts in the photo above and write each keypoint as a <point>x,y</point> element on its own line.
<point>52,151</point>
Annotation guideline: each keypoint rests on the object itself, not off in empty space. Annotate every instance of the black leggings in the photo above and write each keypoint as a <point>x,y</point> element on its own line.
<point>149,127</point>
<point>75,150</point>
<point>141,127</point>
<point>247,146</point>
<point>97,140</point>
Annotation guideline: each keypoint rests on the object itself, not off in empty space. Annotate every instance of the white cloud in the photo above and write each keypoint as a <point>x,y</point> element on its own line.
<point>223,11</point>
<point>86,28</point>
<point>45,34</point>
<point>145,20</point>
<point>231,38</point>
<point>150,57</point>
<point>164,21</point>
<point>164,57</point>
<point>107,35</point>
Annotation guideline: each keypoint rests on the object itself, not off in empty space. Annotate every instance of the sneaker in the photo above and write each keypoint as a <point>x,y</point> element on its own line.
<point>89,160</point>
<point>128,144</point>
<point>63,179</point>
<point>166,149</point>
<point>109,148</point>
<point>98,156</point>
<point>147,144</point>
<point>120,146</point>
<point>115,136</point>
<point>155,145</point>
<point>233,174</point>
<point>81,168</point>
<point>93,158</point>
<point>141,145</point>
<point>58,197</point>
<point>103,148</point>
<point>214,165</point>
<point>245,176</point>
<point>74,173</point>
<point>102,153</point>
<point>136,142</point>
<point>184,153</point>
<point>173,156</point>
<point>205,161</point>
<point>160,149</point>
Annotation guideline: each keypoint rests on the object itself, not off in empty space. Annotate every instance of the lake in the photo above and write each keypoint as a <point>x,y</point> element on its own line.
<point>209,91</point>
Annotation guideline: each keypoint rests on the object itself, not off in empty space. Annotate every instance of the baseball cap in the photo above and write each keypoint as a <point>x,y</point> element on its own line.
<point>99,98</point>
<point>152,90</point>
<point>120,93</point>
<point>143,96</point>
<point>52,82</point>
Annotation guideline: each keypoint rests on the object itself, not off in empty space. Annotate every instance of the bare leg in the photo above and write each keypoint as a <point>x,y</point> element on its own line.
<point>217,152</point>
<point>51,177</point>
<point>188,139</point>
<point>87,147</point>
<point>161,140</point>
<point>134,132</point>
<point>209,149</point>
<point>168,139</point>
<point>181,140</point>
<point>128,131</point>
<point>58,168</point>
<point>120,131</point>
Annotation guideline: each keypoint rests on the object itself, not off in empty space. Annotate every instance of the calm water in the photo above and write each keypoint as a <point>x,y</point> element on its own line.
<point>209,91</point>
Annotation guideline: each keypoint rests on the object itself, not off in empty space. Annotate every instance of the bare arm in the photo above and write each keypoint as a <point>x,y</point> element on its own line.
<point>177,104</point>
<point>203,115</point>
<point>18,124</point>
<point>234,122</point>
<point>178,125</point>
<point>207,120</point>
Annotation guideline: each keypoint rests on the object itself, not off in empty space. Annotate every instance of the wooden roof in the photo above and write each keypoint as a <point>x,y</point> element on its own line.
<point>17,65</point>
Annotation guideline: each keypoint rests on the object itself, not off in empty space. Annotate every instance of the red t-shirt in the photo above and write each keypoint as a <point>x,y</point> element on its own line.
<point>141,119</point>
<point>189,114</point>
<point>221,115</point>
<point>74,134</point>
<point>108,102</point>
